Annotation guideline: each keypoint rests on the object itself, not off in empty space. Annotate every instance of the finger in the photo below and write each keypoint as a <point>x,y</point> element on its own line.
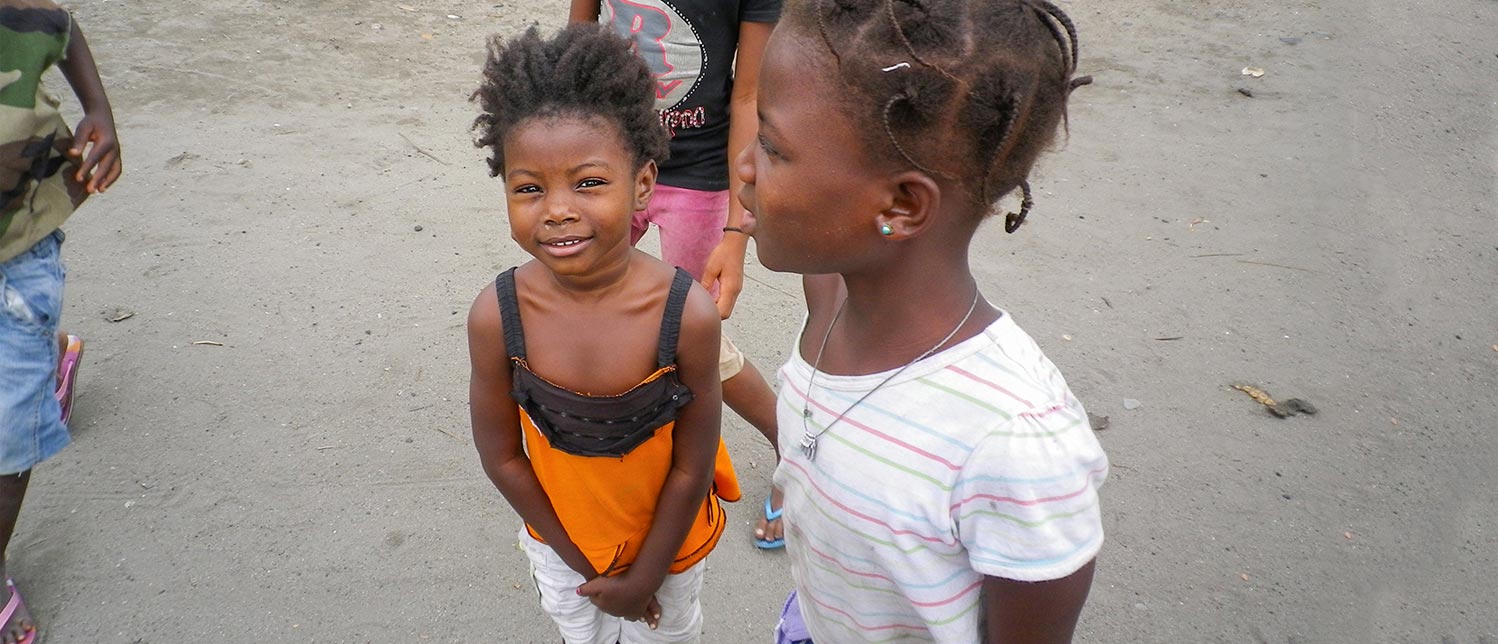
<point>81,138</point>
<point>96,153</point>
<point>114,173</point>
<point>653,613</point>
<point>726,301</point>
<point>84,167</point>
<point>96,183</point>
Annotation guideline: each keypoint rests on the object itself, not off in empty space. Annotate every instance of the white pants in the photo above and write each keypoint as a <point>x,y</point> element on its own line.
<point>583,623</point>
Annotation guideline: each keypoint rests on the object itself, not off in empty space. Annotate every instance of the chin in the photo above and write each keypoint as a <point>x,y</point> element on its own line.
<point>781,262</point>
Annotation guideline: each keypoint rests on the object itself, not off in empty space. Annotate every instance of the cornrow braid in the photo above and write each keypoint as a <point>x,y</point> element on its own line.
<point>976,93</point>
<point>894,23</point>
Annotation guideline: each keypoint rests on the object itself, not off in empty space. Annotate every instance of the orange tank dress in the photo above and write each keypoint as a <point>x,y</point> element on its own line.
<point>603,473</point>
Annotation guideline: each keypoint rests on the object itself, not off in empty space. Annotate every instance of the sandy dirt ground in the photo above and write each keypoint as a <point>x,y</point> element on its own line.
<point>301,188</point>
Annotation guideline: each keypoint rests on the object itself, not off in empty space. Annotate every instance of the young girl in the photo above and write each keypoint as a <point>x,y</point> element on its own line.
<point>595,392</point>
<point>940,478</point>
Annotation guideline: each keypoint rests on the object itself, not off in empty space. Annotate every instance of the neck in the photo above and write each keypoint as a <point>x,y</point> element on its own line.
<point>596,283</point>
<point>902,310</point>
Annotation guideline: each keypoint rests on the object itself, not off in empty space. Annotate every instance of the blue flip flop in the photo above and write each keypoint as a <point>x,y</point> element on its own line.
<point>771,514</point>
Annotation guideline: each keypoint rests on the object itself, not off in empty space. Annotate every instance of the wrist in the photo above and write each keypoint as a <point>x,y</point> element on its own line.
<point>98,108</point>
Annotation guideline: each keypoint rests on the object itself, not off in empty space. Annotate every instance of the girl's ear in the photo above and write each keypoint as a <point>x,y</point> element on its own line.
<point>645,184</point>
<point>914,200</point>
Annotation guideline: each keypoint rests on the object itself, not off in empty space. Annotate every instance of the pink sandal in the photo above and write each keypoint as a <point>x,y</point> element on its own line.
<point>11,607</point>
<point>69,371</point>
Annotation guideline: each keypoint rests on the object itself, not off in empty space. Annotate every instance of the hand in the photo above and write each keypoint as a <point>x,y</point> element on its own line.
<point>617,596</point>
<point>101,167</point>
<point>724,274</point>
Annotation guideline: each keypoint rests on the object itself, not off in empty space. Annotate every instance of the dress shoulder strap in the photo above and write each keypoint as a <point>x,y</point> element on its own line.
<point>676,301</point>
<point>509,312</point>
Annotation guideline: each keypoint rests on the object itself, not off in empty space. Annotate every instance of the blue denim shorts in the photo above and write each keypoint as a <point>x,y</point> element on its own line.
<point>31,428</point>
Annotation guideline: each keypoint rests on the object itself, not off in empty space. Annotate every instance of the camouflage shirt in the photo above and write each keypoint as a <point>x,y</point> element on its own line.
<point>37,189</point>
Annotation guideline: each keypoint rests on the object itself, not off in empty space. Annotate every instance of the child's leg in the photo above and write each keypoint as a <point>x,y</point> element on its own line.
<point>748,395</point>
<point>579,621</point>
<point>30,424</point>
<point>680,597</point>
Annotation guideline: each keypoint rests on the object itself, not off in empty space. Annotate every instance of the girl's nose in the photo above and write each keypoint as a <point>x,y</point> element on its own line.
<point>559,212</point>
<point>744,164</point>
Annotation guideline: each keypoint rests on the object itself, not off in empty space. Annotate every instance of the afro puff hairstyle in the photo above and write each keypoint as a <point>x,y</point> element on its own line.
<point>585,71</point>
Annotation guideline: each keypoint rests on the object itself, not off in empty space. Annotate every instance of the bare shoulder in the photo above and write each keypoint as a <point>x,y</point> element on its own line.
<point>486,333</point>
<point>699,316</point>
<point>484,313</point>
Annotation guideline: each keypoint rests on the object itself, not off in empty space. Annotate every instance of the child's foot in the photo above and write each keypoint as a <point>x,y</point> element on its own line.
<point>16,626</point>
<point>67,374</point>
<point>769,531</point>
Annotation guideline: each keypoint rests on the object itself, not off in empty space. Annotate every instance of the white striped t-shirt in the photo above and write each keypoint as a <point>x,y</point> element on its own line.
<point>975,461</point>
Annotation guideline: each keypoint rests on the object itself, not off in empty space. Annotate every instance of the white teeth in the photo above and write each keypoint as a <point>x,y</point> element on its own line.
<point>570,242</point>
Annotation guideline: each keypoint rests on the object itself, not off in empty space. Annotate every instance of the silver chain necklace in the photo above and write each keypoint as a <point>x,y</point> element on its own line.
<point>808,439</point>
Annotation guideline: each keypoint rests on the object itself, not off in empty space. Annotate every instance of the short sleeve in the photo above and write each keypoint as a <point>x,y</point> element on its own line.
<point>1025,504</point>
<point>760,11</point>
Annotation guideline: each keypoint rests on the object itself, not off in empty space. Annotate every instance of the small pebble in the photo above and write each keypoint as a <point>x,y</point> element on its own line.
<point>1246,92</point>
<point>418,228</point>
<point>1131,404</point>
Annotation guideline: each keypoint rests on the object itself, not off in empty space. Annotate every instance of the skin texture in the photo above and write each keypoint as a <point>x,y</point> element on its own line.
<point>916,280</point>
<point>571,178</point>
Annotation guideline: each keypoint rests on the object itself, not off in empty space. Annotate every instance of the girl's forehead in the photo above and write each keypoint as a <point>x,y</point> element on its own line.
<point>792,65</point>
<point>597,132</point>
<point>566,121</point>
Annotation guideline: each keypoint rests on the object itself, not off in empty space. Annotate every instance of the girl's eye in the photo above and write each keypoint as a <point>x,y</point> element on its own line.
<point>769,149</point>
<point>529,188</point>
<point>591,183</point>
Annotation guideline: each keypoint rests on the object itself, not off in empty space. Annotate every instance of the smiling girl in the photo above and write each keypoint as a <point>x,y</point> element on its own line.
<point>595,393</point>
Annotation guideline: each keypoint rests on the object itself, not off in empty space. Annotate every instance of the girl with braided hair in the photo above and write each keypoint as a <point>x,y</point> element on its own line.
<point>605,443</point>
<point>941,480</point>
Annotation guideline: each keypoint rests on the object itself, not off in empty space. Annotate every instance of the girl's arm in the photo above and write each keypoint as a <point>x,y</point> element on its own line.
<point>694,450</point>
<point>725,265</point>
<point>1043,612</point>
<point>496,432</point>
<point>102,165</point>
<point>583,11</point>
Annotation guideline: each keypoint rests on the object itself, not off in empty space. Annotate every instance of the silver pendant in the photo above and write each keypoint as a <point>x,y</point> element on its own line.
<point>809,446</point>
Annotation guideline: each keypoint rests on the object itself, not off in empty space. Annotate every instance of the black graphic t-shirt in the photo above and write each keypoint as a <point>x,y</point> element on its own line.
<point>689,46</point>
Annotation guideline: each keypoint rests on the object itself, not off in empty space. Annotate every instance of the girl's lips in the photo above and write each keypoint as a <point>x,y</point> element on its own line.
<point>749,223</point>
<point>566,246</point>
